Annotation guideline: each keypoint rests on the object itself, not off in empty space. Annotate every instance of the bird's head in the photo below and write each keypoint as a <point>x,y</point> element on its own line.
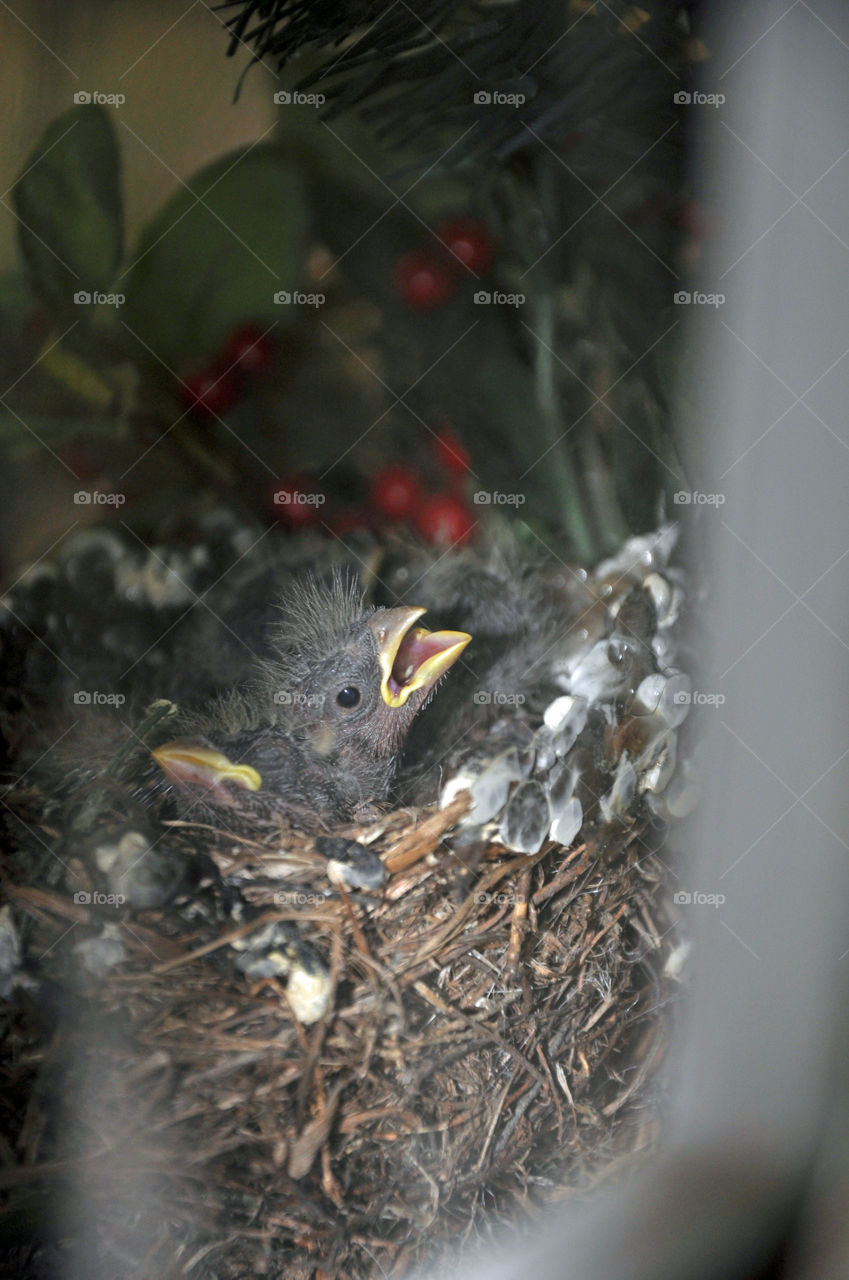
<point>332,703</point>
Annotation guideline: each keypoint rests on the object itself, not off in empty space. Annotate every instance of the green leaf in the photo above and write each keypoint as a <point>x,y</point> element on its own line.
<point>68,200</point>
<point>215,256</point>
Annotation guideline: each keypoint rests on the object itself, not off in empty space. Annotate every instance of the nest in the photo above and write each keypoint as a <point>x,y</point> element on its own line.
<point>490,1045</point>
<point>282,1070</point>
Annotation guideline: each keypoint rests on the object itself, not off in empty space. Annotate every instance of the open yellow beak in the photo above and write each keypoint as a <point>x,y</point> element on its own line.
<point>188,763</point>
<point>410,657</point>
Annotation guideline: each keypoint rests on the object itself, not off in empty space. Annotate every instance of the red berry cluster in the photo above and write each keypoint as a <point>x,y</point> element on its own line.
<point>427,277</point>
<point>210,391</point>
<point>397,494</point>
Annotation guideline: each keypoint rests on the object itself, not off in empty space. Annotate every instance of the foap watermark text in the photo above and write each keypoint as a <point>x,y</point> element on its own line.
<point>295,98</point>
<point>697,298</point>
<point>498,98</point>
<point>298,498</point>
<point>495,298</point>
<point>85,97</point>
<point>95,899</point>
<point>495,498</point>
<point>94,698</point>
<point>684,98</point>
<point>497,698</point>
<point>84,298</point>
<point>296,298</point>
<point>695,498</point>
<point>684,898</point>
<point>98,498</point>
<point>698,698</point>
<point>295,698</point>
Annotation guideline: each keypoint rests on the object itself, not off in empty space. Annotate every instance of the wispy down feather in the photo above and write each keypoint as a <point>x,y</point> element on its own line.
<point>313,622</point>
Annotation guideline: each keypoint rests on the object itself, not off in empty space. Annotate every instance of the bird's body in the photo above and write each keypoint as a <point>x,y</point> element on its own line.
<point>526,616</point>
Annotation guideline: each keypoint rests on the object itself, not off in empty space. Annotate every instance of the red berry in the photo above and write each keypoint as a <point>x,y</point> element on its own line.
<point>469,244</point>
<point>395,491</point>
<point>451,455</point>
<point>248,350</point>
<point>296,501</point>
<point>424,280</point>
<point>209,392</point>
<point>445,519</point>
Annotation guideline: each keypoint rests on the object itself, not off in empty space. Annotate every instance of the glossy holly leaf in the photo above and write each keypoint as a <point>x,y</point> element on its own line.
<point>215,257</point>
<point>68,201</point>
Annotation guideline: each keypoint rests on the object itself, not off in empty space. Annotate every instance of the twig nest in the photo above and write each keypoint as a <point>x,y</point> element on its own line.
<point>408,1033</point>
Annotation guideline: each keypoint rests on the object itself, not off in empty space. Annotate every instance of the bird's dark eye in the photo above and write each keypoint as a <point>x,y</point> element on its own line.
<point>348,697</point>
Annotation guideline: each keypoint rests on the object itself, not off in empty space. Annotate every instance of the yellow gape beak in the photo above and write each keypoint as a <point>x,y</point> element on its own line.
<point>188,763</point>
<point>410,657</point>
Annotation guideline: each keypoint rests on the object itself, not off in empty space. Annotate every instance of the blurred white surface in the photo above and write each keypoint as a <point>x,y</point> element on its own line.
<point>757,1078</point>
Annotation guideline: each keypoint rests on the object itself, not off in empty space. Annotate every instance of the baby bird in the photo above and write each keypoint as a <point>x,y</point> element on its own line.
<point>317,729</point>
<point>299,706</point>
<point>283,694</point>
